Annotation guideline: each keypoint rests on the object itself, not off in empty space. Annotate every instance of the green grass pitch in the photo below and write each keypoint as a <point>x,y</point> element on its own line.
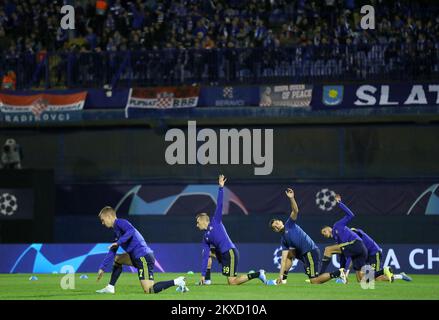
<point>47,287</point>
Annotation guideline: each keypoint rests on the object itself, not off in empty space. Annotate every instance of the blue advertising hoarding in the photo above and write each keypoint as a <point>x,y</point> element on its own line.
<point>41,108</point>
<point>177,257</point>
<point>364,95</point>
<point>229,96</point>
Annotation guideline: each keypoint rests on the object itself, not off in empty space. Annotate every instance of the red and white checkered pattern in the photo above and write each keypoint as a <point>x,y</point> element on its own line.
<point>165,100</point>
<point>228,92</point>
<point>39,106</point>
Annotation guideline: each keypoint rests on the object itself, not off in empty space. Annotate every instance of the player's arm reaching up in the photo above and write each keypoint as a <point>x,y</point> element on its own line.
<point>349,215</point>
<point>218,216</point>
<point>294,208</point>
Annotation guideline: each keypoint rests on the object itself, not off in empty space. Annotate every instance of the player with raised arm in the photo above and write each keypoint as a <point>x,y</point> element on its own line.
<point>215,235</point>
<point>297,244</point>
<point>350,245</point>
<point>137,254</point>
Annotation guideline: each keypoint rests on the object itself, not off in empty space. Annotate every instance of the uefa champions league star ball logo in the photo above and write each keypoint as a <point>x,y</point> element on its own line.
<point>8,204</point>
<point>325,199</point>
<point>277,259</point>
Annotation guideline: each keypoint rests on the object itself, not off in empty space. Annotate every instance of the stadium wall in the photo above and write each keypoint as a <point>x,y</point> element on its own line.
<point>27,205</point>
<point>300,152</point>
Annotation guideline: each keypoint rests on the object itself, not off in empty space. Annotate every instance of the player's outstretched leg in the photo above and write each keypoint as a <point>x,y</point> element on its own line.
<point>327,254</point>
<point>145,268</point>
<point>384,274</point>
<point>312,264</point>
<point>151,287</point>
<point>325,277</point>
<point>249,276</point>
<point>402,276</point>
<point>388,273</point>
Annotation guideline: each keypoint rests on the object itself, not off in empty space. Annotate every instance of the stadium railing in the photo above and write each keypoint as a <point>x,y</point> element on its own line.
<point>162,67</point>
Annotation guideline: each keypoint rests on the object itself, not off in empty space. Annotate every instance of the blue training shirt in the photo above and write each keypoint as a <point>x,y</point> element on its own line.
<point>341,233</point>
<point>294,237</point>
<point>129,239</point>
<point>371,246</point>
<point>216,234</point>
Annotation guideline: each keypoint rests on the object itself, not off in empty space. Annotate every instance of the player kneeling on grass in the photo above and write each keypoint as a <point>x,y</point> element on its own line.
<point>375,256</point>
<point>350,245</point>
<point>215,235</point>
<point>138,254</point>
<point>297,244</point>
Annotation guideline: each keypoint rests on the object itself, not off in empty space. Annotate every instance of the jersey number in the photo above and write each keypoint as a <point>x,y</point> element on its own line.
<point>140,273</point>
<point>226,269</point>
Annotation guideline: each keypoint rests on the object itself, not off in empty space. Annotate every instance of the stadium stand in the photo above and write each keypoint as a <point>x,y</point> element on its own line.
<point>166,42</point>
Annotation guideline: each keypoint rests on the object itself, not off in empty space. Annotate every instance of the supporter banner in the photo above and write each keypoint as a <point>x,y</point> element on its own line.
<point>294,95</point>
<point>16,204</point>
<point>162,98</point>
<point>42,107</point>
<point>373,95</point>
<point>178,257</point>
<point>380,198</point>
<point>229,96</point>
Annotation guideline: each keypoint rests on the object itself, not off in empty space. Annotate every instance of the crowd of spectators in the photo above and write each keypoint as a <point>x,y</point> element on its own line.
<point>277,32</point>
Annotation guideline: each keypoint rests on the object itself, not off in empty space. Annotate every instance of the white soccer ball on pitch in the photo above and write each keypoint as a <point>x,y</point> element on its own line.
<point>8,204</point>
<point>325,199</point>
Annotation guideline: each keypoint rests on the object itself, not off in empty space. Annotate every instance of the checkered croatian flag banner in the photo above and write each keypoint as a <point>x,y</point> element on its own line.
<point>41,107</point>
<point>160,98</point>
<point>165,100</point>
